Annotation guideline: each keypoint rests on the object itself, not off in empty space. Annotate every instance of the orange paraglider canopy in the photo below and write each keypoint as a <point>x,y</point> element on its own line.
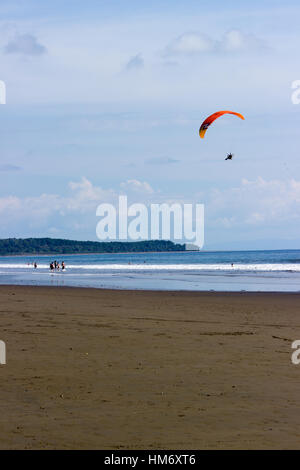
<point>205,124</point>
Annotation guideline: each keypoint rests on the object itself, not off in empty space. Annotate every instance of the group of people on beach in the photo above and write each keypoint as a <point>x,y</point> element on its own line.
<point>55,266</point>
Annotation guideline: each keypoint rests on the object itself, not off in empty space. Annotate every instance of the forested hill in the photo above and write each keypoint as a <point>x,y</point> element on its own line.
<point>21,246</point>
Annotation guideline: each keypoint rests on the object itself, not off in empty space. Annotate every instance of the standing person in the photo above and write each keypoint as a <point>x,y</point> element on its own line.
<point>51,266</point>
<point>62,265</point>
<point>35,265</point>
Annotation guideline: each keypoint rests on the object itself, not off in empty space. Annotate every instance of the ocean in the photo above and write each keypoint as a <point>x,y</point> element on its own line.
<point>252,271</point>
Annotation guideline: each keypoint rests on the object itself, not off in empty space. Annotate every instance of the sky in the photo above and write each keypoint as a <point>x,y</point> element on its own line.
<point>106,98</point>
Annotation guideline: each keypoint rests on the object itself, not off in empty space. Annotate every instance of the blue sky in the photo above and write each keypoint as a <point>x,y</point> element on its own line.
<point>107,96</point>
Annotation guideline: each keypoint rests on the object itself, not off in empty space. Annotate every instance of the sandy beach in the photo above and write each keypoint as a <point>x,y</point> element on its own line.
<point>102,369</point>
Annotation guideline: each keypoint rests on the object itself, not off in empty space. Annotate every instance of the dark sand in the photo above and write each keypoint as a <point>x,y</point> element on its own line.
<point>104,369</point>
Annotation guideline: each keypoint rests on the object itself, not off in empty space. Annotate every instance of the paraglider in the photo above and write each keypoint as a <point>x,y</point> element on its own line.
<point>210,119</point>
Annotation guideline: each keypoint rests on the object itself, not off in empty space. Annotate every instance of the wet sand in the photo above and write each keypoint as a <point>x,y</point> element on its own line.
<point>102,369</point>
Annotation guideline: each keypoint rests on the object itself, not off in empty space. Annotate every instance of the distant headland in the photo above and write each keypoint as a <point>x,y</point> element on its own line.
<point>43,246</point>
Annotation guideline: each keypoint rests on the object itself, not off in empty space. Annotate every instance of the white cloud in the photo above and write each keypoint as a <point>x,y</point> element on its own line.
<point>197,43</point>
<point>237,41</point>
<point>137,187</point>
<point>9,203</point>
<point>190,43</point>
<point>86,196</point>
<point>256,203</point>
<point>44,209</point>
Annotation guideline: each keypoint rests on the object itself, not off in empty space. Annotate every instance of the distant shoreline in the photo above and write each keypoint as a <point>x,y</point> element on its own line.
<point>62,247</point>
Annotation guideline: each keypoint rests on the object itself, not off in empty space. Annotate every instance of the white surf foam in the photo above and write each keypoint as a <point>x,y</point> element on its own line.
<point>168,267</point>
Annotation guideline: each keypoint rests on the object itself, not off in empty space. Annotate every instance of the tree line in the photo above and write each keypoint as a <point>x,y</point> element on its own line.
<point>20,246</point>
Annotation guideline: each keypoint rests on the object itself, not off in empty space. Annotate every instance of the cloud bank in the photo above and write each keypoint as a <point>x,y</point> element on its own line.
<point>259,205</point>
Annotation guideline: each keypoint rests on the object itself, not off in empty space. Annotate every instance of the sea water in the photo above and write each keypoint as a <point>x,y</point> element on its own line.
<point>256,271</point>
